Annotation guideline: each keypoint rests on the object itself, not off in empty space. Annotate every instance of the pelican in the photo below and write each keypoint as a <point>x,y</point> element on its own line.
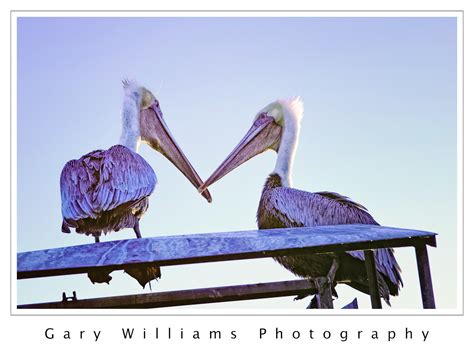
<point>276,127</point>
<point>108,190</point>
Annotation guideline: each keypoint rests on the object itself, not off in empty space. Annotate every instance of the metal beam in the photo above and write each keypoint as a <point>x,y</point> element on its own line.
<point>427,294</point>
<point>372,278</point>
<point>198,248</point>
<point>187,297</point>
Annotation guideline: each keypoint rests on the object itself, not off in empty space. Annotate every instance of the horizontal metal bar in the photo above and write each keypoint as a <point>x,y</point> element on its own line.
<point>213,247</point>
<point>188,297</point>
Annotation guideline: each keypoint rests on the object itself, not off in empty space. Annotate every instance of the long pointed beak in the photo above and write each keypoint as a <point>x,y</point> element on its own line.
<point>171,150</point>
<point>263,134</point>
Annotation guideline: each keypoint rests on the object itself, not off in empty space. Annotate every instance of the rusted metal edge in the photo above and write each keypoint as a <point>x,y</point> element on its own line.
<point>187,297</point>
<point>363,245</point>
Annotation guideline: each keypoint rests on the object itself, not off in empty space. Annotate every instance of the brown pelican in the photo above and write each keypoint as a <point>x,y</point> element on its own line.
<point>277,127</point>
<point>108,190</point>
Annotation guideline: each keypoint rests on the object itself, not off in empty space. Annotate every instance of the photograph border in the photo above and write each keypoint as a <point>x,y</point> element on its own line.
<point>459,14</point>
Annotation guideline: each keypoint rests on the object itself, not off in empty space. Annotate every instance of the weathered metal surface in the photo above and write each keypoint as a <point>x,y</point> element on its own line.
<point>188,297</point>
<point>197,248</point>
<point>427,294</point>
<point>372,278</point>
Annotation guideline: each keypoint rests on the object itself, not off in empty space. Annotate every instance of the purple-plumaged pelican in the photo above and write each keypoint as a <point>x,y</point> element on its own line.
<point>108,190</point>
<point>276,127</point>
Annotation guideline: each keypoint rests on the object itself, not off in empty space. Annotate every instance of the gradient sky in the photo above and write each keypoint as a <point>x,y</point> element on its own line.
<point>379,127</point>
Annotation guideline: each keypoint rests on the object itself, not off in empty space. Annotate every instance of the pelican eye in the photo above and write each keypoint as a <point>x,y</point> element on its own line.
<point>261,119</point>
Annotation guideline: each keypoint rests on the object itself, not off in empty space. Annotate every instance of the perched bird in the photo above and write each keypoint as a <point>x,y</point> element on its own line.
<point>276,127</point>
<point>108,190</point>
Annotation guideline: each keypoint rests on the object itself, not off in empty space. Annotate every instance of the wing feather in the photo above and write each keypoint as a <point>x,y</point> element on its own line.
<point>103,180</point>
<point>328,208</point>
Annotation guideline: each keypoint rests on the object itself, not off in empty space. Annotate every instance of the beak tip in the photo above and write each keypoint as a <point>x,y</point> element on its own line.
<point>206,194</point>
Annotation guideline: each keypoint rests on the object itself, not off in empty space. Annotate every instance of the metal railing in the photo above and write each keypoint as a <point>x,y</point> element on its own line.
<point>214,247</point>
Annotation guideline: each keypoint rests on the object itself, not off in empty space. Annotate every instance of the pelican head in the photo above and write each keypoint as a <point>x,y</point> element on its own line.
<point>142,121</point>
<point>275,127</point>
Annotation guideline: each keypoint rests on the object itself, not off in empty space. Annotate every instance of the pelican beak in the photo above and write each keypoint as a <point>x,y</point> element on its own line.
<point>159,138</point>
<point>263,135</point>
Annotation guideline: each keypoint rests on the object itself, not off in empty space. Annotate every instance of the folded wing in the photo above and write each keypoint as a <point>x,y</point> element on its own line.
<point>301,208</point>
<point>103,180</point>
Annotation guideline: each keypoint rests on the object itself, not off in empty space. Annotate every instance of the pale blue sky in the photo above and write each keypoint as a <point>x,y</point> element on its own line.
<point>379,127</point>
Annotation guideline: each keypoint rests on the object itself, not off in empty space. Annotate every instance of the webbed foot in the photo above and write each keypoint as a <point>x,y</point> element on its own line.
<point>100,276</point>
<point>144,274</point>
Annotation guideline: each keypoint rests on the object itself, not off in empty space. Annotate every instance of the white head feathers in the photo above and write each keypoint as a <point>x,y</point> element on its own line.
<point>289,117</point>
<point>293,108</point>
<point>132,89</point>
<point>130,114</point>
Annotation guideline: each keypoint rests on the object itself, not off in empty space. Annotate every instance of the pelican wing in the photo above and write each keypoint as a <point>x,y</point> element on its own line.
<point>102,180</point>
<point>301,208</point>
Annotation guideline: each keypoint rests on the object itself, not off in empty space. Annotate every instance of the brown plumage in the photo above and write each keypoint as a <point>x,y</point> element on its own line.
<point>105,191</point>
<point>277,127</point>
<point>282,207</point>
<point>108,190</point>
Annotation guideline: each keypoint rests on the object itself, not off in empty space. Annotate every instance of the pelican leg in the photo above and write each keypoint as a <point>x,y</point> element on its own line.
<point>99,275</point>
<point>325,288</point>
<point>323,298</point>
<point>332,271</point>
<point>136,229</point>
<point>145,273</point>
<point>319,285</point>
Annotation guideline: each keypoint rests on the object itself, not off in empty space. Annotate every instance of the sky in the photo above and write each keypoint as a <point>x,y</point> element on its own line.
<point>379,126</point>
